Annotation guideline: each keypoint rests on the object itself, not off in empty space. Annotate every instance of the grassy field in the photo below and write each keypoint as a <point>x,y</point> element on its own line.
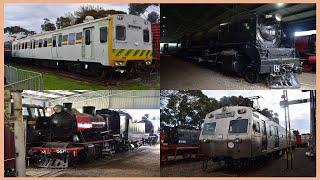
<point>53,81</point>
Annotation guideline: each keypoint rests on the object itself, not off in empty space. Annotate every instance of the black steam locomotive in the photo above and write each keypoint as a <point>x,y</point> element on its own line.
<point>250,45</point>
<point>71,136</point>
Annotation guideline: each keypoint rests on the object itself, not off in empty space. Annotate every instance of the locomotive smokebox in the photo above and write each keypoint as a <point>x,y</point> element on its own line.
<point>67,106</point>
<point>89,110</point>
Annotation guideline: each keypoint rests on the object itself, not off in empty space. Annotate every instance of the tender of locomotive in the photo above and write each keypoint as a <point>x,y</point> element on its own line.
<point>73,136</point>
<point>117,42</point>
<point>236,134</point>
<point>250,45</point>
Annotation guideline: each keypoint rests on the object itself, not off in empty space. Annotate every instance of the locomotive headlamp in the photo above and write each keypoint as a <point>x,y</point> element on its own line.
<point>278,17</point>
<point>119,18</point>
<point>119,63</point>
<point>242,111</point>
<point>57,108</point>
<point>230,145</point>
<point>148,62</point>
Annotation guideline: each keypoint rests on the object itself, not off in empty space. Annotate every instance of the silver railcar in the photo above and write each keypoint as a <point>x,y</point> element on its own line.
<point>236,134</point>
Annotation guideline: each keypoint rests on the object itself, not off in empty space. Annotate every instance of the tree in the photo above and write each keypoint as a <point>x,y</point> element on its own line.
<point>47,25</point>
<point>153,17</point>
<point>96,12</point>
<point>63,22</point>
<point>18,29</point>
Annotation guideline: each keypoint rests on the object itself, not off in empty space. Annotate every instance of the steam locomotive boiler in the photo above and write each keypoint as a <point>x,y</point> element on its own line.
<point>73,136</point>
<point>250,45</point>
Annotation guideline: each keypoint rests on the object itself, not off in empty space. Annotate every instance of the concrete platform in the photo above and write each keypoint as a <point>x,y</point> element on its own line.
<point>180,74</point>
<point>302,167</point>
<point>142,162</point>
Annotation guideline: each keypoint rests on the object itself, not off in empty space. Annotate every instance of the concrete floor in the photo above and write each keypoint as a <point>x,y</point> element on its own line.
<point>271,168</point>
<point>143,162</point>
<point>179,74</point>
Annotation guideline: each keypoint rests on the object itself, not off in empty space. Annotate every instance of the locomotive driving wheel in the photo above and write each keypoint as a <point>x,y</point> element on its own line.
<point>251,75</point>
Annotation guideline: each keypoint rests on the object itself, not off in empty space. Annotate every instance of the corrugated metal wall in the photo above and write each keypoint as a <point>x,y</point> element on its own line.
<point>115,99</point>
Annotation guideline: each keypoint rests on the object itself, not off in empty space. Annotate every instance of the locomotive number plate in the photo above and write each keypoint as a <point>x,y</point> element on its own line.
<point>276,68</point>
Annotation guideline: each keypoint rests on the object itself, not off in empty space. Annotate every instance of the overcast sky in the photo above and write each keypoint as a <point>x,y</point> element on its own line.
<point>299,113</point>
<point>30,16</point>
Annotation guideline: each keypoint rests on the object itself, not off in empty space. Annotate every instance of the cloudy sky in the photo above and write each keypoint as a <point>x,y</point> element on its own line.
<point>299,113</point>
<point>30,16</point>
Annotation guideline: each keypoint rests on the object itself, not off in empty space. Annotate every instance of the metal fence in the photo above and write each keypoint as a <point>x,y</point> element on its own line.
<point>19,79</point>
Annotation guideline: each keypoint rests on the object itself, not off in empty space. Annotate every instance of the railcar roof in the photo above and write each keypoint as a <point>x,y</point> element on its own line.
<point>76,25</point>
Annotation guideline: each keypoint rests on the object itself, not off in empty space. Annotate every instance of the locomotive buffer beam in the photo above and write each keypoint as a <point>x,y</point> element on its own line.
<point>282,77</point>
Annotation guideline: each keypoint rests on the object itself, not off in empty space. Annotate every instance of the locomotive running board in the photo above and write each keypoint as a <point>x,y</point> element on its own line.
<point>54,163</point>
<point>280,81</point>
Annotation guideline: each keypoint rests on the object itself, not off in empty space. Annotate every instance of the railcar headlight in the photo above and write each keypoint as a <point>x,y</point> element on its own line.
<point>148,62</point>
<point>230,145</point>
<point>119,63</point>
<point>57,108</point>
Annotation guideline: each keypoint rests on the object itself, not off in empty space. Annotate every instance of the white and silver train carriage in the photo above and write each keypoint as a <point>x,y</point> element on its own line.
<point>235,134</point>
<point>114,42</point>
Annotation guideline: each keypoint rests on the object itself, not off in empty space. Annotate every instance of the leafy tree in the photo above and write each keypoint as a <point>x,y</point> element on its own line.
<point>153,17</point>
<point>18,29</point>
<point>47,25</point>
<point>63,22</point>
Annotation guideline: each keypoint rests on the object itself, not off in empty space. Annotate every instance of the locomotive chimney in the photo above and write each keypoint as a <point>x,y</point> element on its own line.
<point>67,106</point>
<point>89,110</point>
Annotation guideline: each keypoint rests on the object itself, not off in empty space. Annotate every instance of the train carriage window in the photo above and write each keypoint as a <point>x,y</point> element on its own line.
<point>31,44</point>
<point>79,38</point>
<point>25,111</point>
<point>238,126</point>
<point>72,39</point>
<point>209,128</point>
<point>34,112</point>
<point>45,42</point>
<point>34,44</point>
<point>49,41</point>
<point>103,34</point>
<point>26,45</point>
<point>120,33</point>
<point>256,126</point>
<point>22,46</point>
<point>41,112</point>
<point>54,41</point>
<point>40,43</point>
<point>65,39</point>
<point>59,40</point>
<point>146,35</point>
<point>87,37</point>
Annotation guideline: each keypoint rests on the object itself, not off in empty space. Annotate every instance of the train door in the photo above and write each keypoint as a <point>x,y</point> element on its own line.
<point>256,138</point>
<point>271,138</point>
<point>264,136</point>
<point>276,135</point>
<point>56,45</point>
<point>87,44</point>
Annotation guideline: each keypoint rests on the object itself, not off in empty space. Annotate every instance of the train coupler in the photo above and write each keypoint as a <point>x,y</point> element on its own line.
<point>54,163</point>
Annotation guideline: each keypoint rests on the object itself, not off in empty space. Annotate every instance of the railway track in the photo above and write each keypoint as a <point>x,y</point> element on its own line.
<point>34,172</point>
<point>148,77</point>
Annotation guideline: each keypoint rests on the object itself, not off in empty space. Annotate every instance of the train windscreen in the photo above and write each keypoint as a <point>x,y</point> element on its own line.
<point>238,126</point>
<point>209,128</point>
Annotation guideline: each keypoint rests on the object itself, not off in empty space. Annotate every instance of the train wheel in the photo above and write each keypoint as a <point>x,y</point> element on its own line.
<point>205,162</point>
<point>251,75</point>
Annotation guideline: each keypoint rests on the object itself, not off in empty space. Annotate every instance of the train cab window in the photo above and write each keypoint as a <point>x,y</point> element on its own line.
<point>256,126</point>
<point>45,42</point>
<point>271,131</point>
<point>72,39</point>
<point>120,33</point>
<point>87,35</point>
<point>103,34</point>
<point>59,40</point>
<point>146,37</point>
<point>40,43</point>
<point>238,126</point>
<point>54,41</point>
<point>209,128</point>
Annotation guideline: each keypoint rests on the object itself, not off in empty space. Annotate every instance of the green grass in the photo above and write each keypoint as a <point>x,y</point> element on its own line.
<point>55,82</point>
